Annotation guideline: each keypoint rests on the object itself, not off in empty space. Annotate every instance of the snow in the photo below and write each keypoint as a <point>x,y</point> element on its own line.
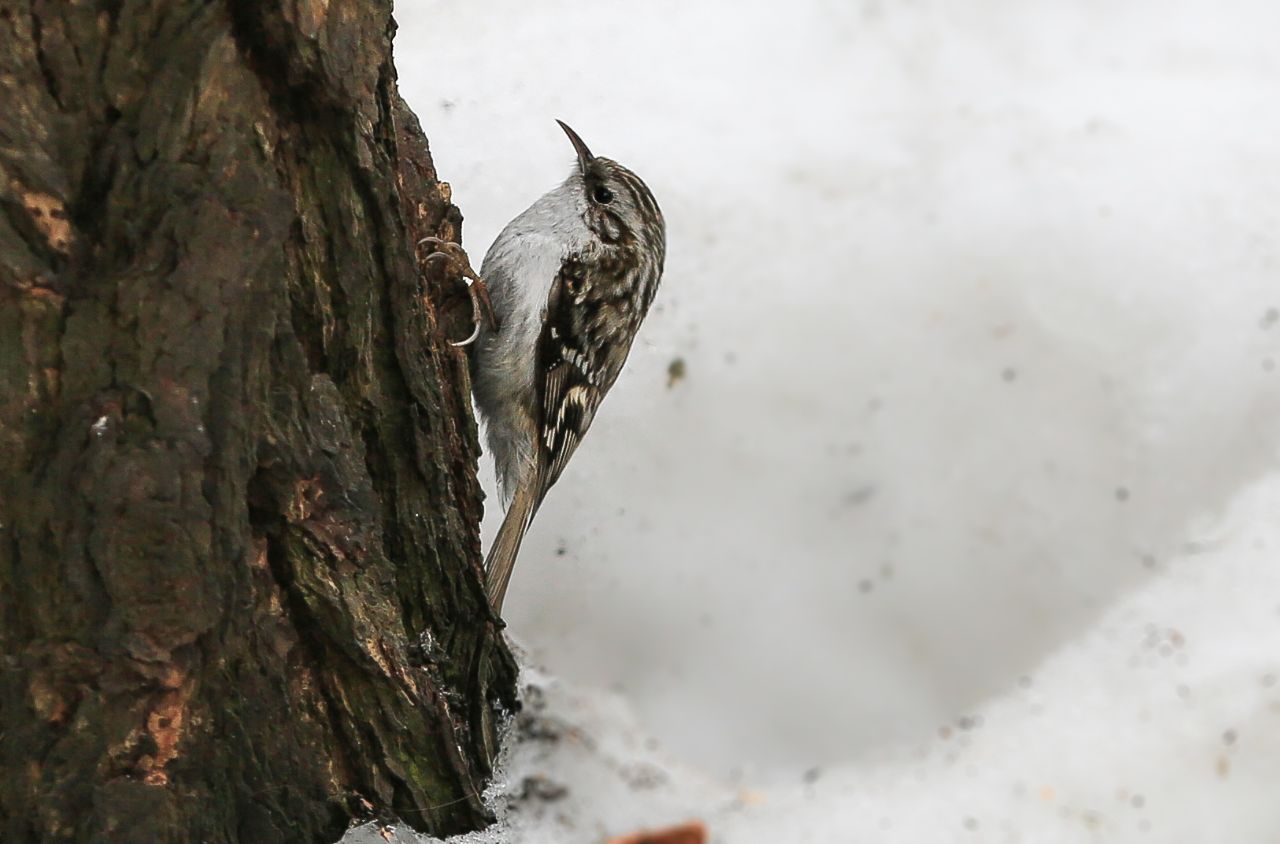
<point>960,524</point>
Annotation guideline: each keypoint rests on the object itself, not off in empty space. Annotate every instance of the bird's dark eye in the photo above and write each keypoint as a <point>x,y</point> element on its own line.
<point>602,194</point>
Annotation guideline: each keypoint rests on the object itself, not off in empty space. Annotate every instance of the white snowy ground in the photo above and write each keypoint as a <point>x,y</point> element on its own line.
<point>963,523</point>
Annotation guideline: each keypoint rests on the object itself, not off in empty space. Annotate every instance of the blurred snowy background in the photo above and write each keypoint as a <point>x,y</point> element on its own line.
<point>939,500</point>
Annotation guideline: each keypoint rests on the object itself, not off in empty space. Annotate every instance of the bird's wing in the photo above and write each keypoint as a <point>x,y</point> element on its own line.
<point>577,368</point>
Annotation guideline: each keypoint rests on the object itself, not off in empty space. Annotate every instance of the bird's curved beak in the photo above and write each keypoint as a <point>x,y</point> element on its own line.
<point>584,155</point>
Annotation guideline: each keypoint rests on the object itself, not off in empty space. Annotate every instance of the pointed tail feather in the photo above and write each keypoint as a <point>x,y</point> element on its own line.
<point>502,555</point>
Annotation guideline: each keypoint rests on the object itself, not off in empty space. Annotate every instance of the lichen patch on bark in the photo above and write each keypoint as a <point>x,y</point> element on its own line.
<point>50,217</point>
<point>165,725</point>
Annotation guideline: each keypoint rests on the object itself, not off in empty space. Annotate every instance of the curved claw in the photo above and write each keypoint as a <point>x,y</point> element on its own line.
<point>475,317</point>
<point>458,264</point>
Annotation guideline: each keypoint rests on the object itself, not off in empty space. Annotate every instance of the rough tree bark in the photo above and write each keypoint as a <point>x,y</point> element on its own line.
<point>240,585</point>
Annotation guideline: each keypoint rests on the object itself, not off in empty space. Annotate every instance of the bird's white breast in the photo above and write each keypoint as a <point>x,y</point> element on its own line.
<point>519,269</point>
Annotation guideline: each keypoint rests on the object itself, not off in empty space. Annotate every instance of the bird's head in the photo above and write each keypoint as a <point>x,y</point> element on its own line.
<point>619,205</point>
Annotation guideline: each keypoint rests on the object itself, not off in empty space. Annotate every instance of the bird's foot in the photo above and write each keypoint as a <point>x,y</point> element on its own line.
<point>453,258</point>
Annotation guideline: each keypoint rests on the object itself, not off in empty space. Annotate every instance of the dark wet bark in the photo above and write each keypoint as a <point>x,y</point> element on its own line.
<point>240,586</point>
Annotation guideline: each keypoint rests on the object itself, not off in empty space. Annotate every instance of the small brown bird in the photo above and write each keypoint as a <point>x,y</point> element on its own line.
<point>570,281</point>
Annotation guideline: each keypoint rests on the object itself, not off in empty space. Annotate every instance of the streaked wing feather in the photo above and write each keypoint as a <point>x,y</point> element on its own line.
<point>570,410</point>
<point>569,396</point>
<point>586,336</point>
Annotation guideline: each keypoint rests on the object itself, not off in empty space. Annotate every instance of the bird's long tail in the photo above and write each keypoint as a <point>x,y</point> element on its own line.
<point>502,555</point>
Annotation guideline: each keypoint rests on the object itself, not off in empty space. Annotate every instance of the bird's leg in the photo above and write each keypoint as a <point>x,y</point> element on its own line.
<point>456,264</point>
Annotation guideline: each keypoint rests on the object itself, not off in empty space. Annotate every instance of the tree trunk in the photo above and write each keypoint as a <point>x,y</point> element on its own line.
<point>240,583</point>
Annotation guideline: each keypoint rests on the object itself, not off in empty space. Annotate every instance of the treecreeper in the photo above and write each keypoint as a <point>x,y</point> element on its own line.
<point>557,304</point>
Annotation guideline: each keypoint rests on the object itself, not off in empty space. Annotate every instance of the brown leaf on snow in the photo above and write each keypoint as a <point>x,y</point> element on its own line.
<point>693,832</point>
